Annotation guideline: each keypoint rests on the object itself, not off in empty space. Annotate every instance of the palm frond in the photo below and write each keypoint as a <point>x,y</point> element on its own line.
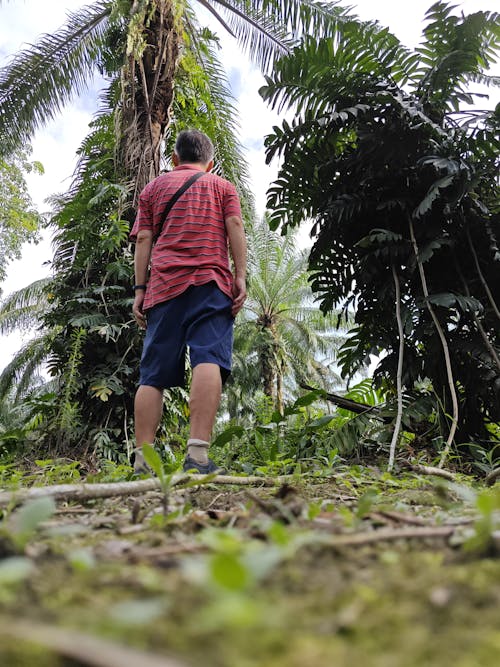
<point>205,101</point>
<point>260,37</point>
<point>455,51</point>
<point>267,30</point>
<point>39,81</point>
<point>19,374</point>
<point>22,309</point>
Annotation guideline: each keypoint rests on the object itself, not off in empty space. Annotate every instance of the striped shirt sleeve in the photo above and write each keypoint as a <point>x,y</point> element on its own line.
<point>144,217</point>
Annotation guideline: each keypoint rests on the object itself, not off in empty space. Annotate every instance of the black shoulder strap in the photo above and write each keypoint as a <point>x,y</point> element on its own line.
<point>176,196</point>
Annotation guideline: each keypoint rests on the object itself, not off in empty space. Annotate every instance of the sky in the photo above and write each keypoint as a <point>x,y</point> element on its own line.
<point>22,21</point>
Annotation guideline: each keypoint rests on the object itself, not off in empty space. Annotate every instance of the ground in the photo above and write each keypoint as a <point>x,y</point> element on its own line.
<point>351,567</point>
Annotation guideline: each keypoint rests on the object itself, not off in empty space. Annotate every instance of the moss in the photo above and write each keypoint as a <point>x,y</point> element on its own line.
<point>403,604</point>
<point>14,653</point>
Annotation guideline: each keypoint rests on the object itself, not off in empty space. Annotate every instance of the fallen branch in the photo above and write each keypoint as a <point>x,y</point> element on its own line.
<point>349,404</point>
<point>84,491</point>
<point>251,480</point>
<point>156,553</point>
<point>492,477</point>
<point>432,470</point>
<point>86,649</point>
<point>389,534</point>
<point>403,518</point>
<point>272,507</point>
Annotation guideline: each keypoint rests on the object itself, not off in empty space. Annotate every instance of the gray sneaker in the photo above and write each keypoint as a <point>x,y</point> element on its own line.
<point>140,466</point>
<point>201,468</point>
<point>140,470</point>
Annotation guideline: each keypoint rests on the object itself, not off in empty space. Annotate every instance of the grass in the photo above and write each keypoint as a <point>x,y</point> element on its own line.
<point>245,578</point>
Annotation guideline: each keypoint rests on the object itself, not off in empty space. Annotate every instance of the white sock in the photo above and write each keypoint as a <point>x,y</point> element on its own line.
<point>198,450</point>
<point>138,458</point>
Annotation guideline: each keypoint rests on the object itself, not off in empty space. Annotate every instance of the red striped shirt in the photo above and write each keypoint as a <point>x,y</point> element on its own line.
<point>192,247</point>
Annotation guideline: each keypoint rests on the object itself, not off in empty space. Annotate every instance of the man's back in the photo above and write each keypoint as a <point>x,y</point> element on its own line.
<point>191,246</point>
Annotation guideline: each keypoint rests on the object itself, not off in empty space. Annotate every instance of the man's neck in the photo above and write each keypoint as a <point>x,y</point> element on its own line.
<point>193,165</point>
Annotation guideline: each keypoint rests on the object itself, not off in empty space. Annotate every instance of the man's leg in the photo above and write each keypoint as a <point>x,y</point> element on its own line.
<point>204,400</point>
<point>148,410</point>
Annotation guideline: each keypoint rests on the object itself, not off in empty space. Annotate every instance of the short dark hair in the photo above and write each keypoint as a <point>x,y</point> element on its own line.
<point>194,146</point>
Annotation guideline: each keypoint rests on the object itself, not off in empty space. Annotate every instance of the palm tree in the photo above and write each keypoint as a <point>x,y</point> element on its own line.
<point>141,47</point>
<point>281,336</point>
<point>149,43</point>
<point>23,310</point>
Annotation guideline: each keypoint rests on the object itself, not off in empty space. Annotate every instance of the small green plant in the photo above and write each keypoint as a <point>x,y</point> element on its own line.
<point>20,526</point>
<point>487,524</point>
<point>58,471</point>
<point>153,459</point>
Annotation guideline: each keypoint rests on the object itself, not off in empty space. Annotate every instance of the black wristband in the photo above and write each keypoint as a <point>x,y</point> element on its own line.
<point>136,287</point>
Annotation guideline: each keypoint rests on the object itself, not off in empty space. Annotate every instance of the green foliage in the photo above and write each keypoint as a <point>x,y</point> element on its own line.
<point>108,34</point>
<point>21,525</point>
<point>87,337</point>
<point>12,571</point>
<point>482,537</point>
<point>38,82</point>
<point>379,140</point>
<point>54,471</point>
<point>303,437</point>
<point>19,220</point>
<point>154,461</point>
<point>281,338</point>
<point>88,340</point>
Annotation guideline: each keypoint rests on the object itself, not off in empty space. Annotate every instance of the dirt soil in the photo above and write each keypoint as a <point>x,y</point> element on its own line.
<point>356,569</point>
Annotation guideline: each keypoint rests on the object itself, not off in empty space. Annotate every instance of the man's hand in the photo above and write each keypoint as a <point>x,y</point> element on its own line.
<point>239,295</point>
<point>140,318</point>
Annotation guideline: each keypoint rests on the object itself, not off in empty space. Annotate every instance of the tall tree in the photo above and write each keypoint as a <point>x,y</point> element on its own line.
<point>19,220</point>
<point>401,179</point>
<point>147,41</point>
<point>142,48</point>
<point>281,336</point>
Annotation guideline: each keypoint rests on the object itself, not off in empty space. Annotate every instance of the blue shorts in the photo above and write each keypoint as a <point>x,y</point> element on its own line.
<point>200,319</point>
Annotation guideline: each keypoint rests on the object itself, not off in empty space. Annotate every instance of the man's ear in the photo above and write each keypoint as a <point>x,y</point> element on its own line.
<point>175,159</point>
<point>210,166</point>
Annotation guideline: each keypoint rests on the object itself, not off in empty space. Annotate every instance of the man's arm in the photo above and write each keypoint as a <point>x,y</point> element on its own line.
<point>142,255</point>
<point>238,246</point>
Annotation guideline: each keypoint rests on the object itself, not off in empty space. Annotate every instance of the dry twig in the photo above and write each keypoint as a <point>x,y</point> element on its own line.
<point>403,518</point>
<point>86,649</point>
<point>389,534</point>
<point>492,477</point>
<point>90,491</point>
<point>432,470</point>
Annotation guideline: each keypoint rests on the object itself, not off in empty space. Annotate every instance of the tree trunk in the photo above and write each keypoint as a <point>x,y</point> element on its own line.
<point>446,350</point>
<point>279,390</point>
<point>268,374</point>
<point>147,91</point>
<point>399,384</point>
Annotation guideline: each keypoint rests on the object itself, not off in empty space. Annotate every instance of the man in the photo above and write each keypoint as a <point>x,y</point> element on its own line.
<point>186,294</point>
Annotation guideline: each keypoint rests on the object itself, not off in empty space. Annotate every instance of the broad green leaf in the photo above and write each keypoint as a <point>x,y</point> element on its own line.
<point>27,519</point>
<point>15,569</point>
<point>309,398</point>
<point>82,560</point>
<point>138,612</point>
<point>228,571</point>
<point>318,423</point>
<point>227,435</point>
<point>153,460</point>
<point>365,503</point>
